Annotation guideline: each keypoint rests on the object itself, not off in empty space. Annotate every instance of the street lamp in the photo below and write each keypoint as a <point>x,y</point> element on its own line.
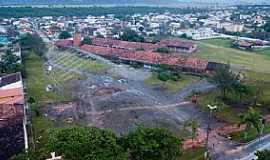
<point>211,109</point>
<point>262,122</point>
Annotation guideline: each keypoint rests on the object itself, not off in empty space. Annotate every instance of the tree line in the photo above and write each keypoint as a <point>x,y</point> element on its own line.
<point>89,143</point>
<point>7,12</point>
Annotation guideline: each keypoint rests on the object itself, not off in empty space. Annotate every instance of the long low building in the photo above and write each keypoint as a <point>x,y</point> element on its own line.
<point>191,64</point>
<point>174,45</point>
<point>129,52</point>
<point>12,138</point>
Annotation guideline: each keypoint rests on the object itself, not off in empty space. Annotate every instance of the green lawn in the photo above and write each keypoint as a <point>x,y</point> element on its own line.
<point>219,50</point>
<point>170,85</point>
<point>224,42</point>
<point>251,134</point>
<point>227,43</point>
<point>265,51</point>
<point>37,80</point>
<point>41,126</point>
<point>224,112</point>
<point>63,77</point>
<point>193,154</point>
<point>72,61</point>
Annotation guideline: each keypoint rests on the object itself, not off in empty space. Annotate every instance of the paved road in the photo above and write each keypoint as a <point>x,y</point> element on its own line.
<point>245,152</point>
<point>248,151</point>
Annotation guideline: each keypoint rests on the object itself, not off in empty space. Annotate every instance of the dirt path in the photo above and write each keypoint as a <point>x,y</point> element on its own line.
<point>138,108</point>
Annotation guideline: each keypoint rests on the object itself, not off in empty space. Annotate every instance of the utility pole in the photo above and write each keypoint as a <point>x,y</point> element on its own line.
<point>211,109</point>
<point>262,121</point>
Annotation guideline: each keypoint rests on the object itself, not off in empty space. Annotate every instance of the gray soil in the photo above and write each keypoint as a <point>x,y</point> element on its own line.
<point>120,99</point>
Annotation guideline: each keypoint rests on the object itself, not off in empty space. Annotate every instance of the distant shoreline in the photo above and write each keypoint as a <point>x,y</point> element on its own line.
<point>171,5</point>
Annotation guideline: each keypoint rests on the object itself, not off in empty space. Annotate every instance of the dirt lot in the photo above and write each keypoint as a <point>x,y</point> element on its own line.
<point>118,98</point>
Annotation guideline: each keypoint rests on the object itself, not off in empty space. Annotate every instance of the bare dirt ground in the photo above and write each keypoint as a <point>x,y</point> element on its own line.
<point>119,99</point>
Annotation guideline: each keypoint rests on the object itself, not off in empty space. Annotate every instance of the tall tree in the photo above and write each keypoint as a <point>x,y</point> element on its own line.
<point>64,35</point>
<point>193,125</point>
<point>33,42</point>
<point>10,63</point>
<point>86,40</point>
<point>240,89</point>
<point>86,143</point>
<point>225,79</point>
<point>252,119</point>
<point>78,143</point>
<point>267,26</point>
<point>151,144</point>
<point>131,35</point>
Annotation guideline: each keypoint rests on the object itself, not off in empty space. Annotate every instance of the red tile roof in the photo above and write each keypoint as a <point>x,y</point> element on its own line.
<point>11,96</point>
<point>176,43</point>
<point>64,43</point>
<point>148,57</point>
<point>107,42</point>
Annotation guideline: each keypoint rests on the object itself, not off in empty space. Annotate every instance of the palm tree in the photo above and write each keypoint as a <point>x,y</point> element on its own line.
<point>193,125</point>
<point>252,119</point>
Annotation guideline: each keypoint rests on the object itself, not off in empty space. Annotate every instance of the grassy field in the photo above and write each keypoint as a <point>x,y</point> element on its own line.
<point>172,86</point>
<point>37,81</point>
<point>41,126</point>
<point>62,77</point>
<point>224,42</point>
<point>193,154</point>
<point>72,61</point>
<point>219,50</point>
<point>224,112</point>
<point>227,43</point>
<point>251,134</point>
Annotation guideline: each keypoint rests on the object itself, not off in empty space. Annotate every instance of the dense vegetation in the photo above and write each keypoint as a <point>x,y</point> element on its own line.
<point>93,143</point>
<point>9,63</point>
<point>64,35</point>
<point>163,50</point>
<point>7,12</point>
<point>164,73</point>
<point>151,144</point>
<point>33,42</point>
<point>131,35</point>
<point>263,155</point>
<point>86,40</point>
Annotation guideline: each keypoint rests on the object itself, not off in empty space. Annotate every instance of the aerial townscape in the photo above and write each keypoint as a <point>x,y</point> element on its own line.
<point>134,80</point>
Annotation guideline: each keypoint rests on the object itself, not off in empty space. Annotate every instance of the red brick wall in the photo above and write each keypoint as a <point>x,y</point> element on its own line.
<point>77,39</point>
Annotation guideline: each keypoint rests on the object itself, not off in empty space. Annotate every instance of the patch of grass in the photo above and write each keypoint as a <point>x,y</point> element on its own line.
<point>257,76</point>
<point>37,81</point>
<point>220,52</point>
<point>41,125</point>
<point>224,42</point>
<point>260,80</point>
<point>170,85</point>
<point>62,76</point>
<point>251,134</point>
<point>224,112</point>
<point>263,51</point>
<point>229,113</point>
<point>73,61</point>
<point>193,154</point>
